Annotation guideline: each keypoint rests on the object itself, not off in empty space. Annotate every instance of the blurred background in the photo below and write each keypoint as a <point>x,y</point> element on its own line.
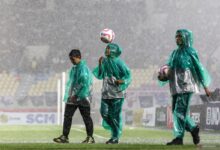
<point>37,35</point>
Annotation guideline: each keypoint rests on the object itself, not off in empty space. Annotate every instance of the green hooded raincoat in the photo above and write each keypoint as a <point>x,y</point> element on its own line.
<point>186,75</point>
<point>111,69</point>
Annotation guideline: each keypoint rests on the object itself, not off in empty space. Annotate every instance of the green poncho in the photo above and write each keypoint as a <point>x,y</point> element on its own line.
<point>111,107</point>
<point>114,66</point>
<point>79,82</point>
<point>186,71</point>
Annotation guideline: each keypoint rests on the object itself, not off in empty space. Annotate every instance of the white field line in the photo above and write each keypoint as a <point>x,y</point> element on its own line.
<point>96,135</point>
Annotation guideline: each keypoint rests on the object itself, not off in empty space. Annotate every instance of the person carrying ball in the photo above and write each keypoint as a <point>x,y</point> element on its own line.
<point>185,75</point>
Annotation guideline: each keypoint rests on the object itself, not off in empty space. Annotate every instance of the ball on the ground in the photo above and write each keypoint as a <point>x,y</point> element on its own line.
<point>107,35</point>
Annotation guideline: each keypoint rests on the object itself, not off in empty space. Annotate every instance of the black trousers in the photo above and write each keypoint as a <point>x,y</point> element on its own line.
<point>84,108</point>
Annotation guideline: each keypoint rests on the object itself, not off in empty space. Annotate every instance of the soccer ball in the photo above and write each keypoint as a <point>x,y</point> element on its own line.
<point>164,70</point>
<point>164,73</point>
<point>107,35</point>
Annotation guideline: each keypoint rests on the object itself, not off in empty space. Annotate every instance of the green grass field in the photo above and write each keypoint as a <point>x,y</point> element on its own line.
<point>40,137</point>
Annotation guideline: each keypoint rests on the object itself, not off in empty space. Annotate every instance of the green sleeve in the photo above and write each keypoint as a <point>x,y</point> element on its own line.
<point>201,72</point>
<point>98,71</point>
<point>125,75</point>
<point>68,84</point>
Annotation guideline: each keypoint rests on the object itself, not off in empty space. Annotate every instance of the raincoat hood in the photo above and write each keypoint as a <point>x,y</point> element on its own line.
<point>187,37</point>
<point>115,50</point>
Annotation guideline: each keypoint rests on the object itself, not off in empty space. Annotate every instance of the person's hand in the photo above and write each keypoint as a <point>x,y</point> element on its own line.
<point>208,93</point>
<point>100,60</point>
<point>159,77</point>
<point>162,77</point>
<point>73,99</point>
<point>118,82</point>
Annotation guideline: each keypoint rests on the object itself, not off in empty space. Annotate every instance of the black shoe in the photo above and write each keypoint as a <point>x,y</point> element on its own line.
<point>112,141</point>
<point>195,135</point>
<point>61,139</point>
<point>89,140</point>
<point>176,141</point>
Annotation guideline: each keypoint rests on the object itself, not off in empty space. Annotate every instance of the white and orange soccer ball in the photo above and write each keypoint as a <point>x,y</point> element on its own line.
<point>107,35</point>
<point>164,72</point>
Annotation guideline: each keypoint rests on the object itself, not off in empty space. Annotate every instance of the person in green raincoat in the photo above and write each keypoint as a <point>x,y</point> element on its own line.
<point>116,77</point>
<point>186,74</point>
<point>77,95</point>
